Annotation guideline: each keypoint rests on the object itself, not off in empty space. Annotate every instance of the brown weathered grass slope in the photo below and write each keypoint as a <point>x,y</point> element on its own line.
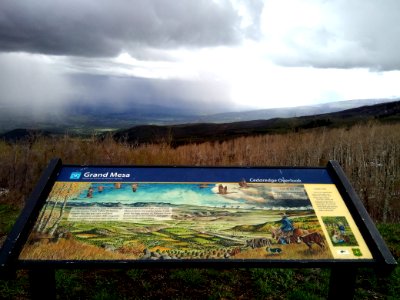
<point>369,154</point>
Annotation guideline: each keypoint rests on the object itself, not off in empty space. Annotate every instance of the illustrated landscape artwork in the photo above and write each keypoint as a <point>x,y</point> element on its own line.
<point>107,216</point>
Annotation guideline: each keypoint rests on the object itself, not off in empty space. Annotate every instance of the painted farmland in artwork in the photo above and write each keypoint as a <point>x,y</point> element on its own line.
<point>156,221</point>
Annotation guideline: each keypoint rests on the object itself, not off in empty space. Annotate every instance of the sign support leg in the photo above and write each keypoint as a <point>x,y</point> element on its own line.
<point>42,283</point>
<point>342,283</point>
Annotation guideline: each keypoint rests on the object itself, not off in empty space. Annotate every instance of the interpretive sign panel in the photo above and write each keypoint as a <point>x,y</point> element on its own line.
<point>113,216</point>
<point>194,213</point>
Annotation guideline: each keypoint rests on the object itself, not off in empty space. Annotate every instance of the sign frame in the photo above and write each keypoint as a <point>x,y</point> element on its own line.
<point>382,258</point>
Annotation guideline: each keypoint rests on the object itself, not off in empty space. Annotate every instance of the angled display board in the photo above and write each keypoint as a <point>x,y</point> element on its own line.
<point>90,215</point>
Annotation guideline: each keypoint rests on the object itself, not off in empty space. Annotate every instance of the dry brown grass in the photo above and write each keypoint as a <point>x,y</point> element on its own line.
<point>70,249</point>
<point>369,155</point>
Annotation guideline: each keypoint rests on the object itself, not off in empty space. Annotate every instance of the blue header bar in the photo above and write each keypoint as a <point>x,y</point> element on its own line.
<point>194,174</point>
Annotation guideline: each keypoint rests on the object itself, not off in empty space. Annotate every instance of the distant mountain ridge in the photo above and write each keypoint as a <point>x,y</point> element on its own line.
<point>201,132</point>
<point>86,119</point>
<point>290,112</point>
<point>24,134</point>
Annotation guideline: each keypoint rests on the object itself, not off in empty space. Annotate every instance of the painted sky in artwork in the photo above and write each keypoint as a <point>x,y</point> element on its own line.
<point>258,196</point>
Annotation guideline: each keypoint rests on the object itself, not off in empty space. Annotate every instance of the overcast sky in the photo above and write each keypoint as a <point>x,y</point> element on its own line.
<point>221,55</point>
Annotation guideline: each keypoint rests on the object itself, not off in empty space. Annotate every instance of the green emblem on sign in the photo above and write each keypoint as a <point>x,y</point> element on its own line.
<point>356,252</point>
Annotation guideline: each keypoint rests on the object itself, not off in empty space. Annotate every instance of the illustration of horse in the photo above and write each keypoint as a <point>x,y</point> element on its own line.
<point>313,238</point>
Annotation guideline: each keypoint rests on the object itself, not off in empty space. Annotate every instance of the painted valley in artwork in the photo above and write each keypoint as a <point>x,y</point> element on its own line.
<point>152,221</point>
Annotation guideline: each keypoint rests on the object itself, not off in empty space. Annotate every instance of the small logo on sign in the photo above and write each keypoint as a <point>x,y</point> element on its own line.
<point>75,175</point>
<point>343,252</point>
<point>356,251</point>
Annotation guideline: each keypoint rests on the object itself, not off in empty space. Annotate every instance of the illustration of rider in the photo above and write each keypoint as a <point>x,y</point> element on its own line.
<point>286,228</point>
<point>287,224</point>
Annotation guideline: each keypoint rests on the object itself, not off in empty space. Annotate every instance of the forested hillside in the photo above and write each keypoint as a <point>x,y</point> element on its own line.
<point>177,135</point>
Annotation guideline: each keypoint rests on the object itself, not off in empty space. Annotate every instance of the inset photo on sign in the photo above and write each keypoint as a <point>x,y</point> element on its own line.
<point>339,231</point>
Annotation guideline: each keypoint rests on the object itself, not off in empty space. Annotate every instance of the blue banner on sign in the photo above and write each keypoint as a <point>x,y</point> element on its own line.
<point>195,174</point>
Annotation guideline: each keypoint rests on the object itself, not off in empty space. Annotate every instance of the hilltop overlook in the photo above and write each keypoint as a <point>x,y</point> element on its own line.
<point>201,132</point>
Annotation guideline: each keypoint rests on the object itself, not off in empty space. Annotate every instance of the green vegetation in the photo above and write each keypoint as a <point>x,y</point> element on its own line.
<point>8,215</point>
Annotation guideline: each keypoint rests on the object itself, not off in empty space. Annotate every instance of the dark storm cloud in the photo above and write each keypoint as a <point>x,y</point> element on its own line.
<point>200,96</point>
<point>105,28</point>
<point>31,83</point>
<point>35,85</point>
